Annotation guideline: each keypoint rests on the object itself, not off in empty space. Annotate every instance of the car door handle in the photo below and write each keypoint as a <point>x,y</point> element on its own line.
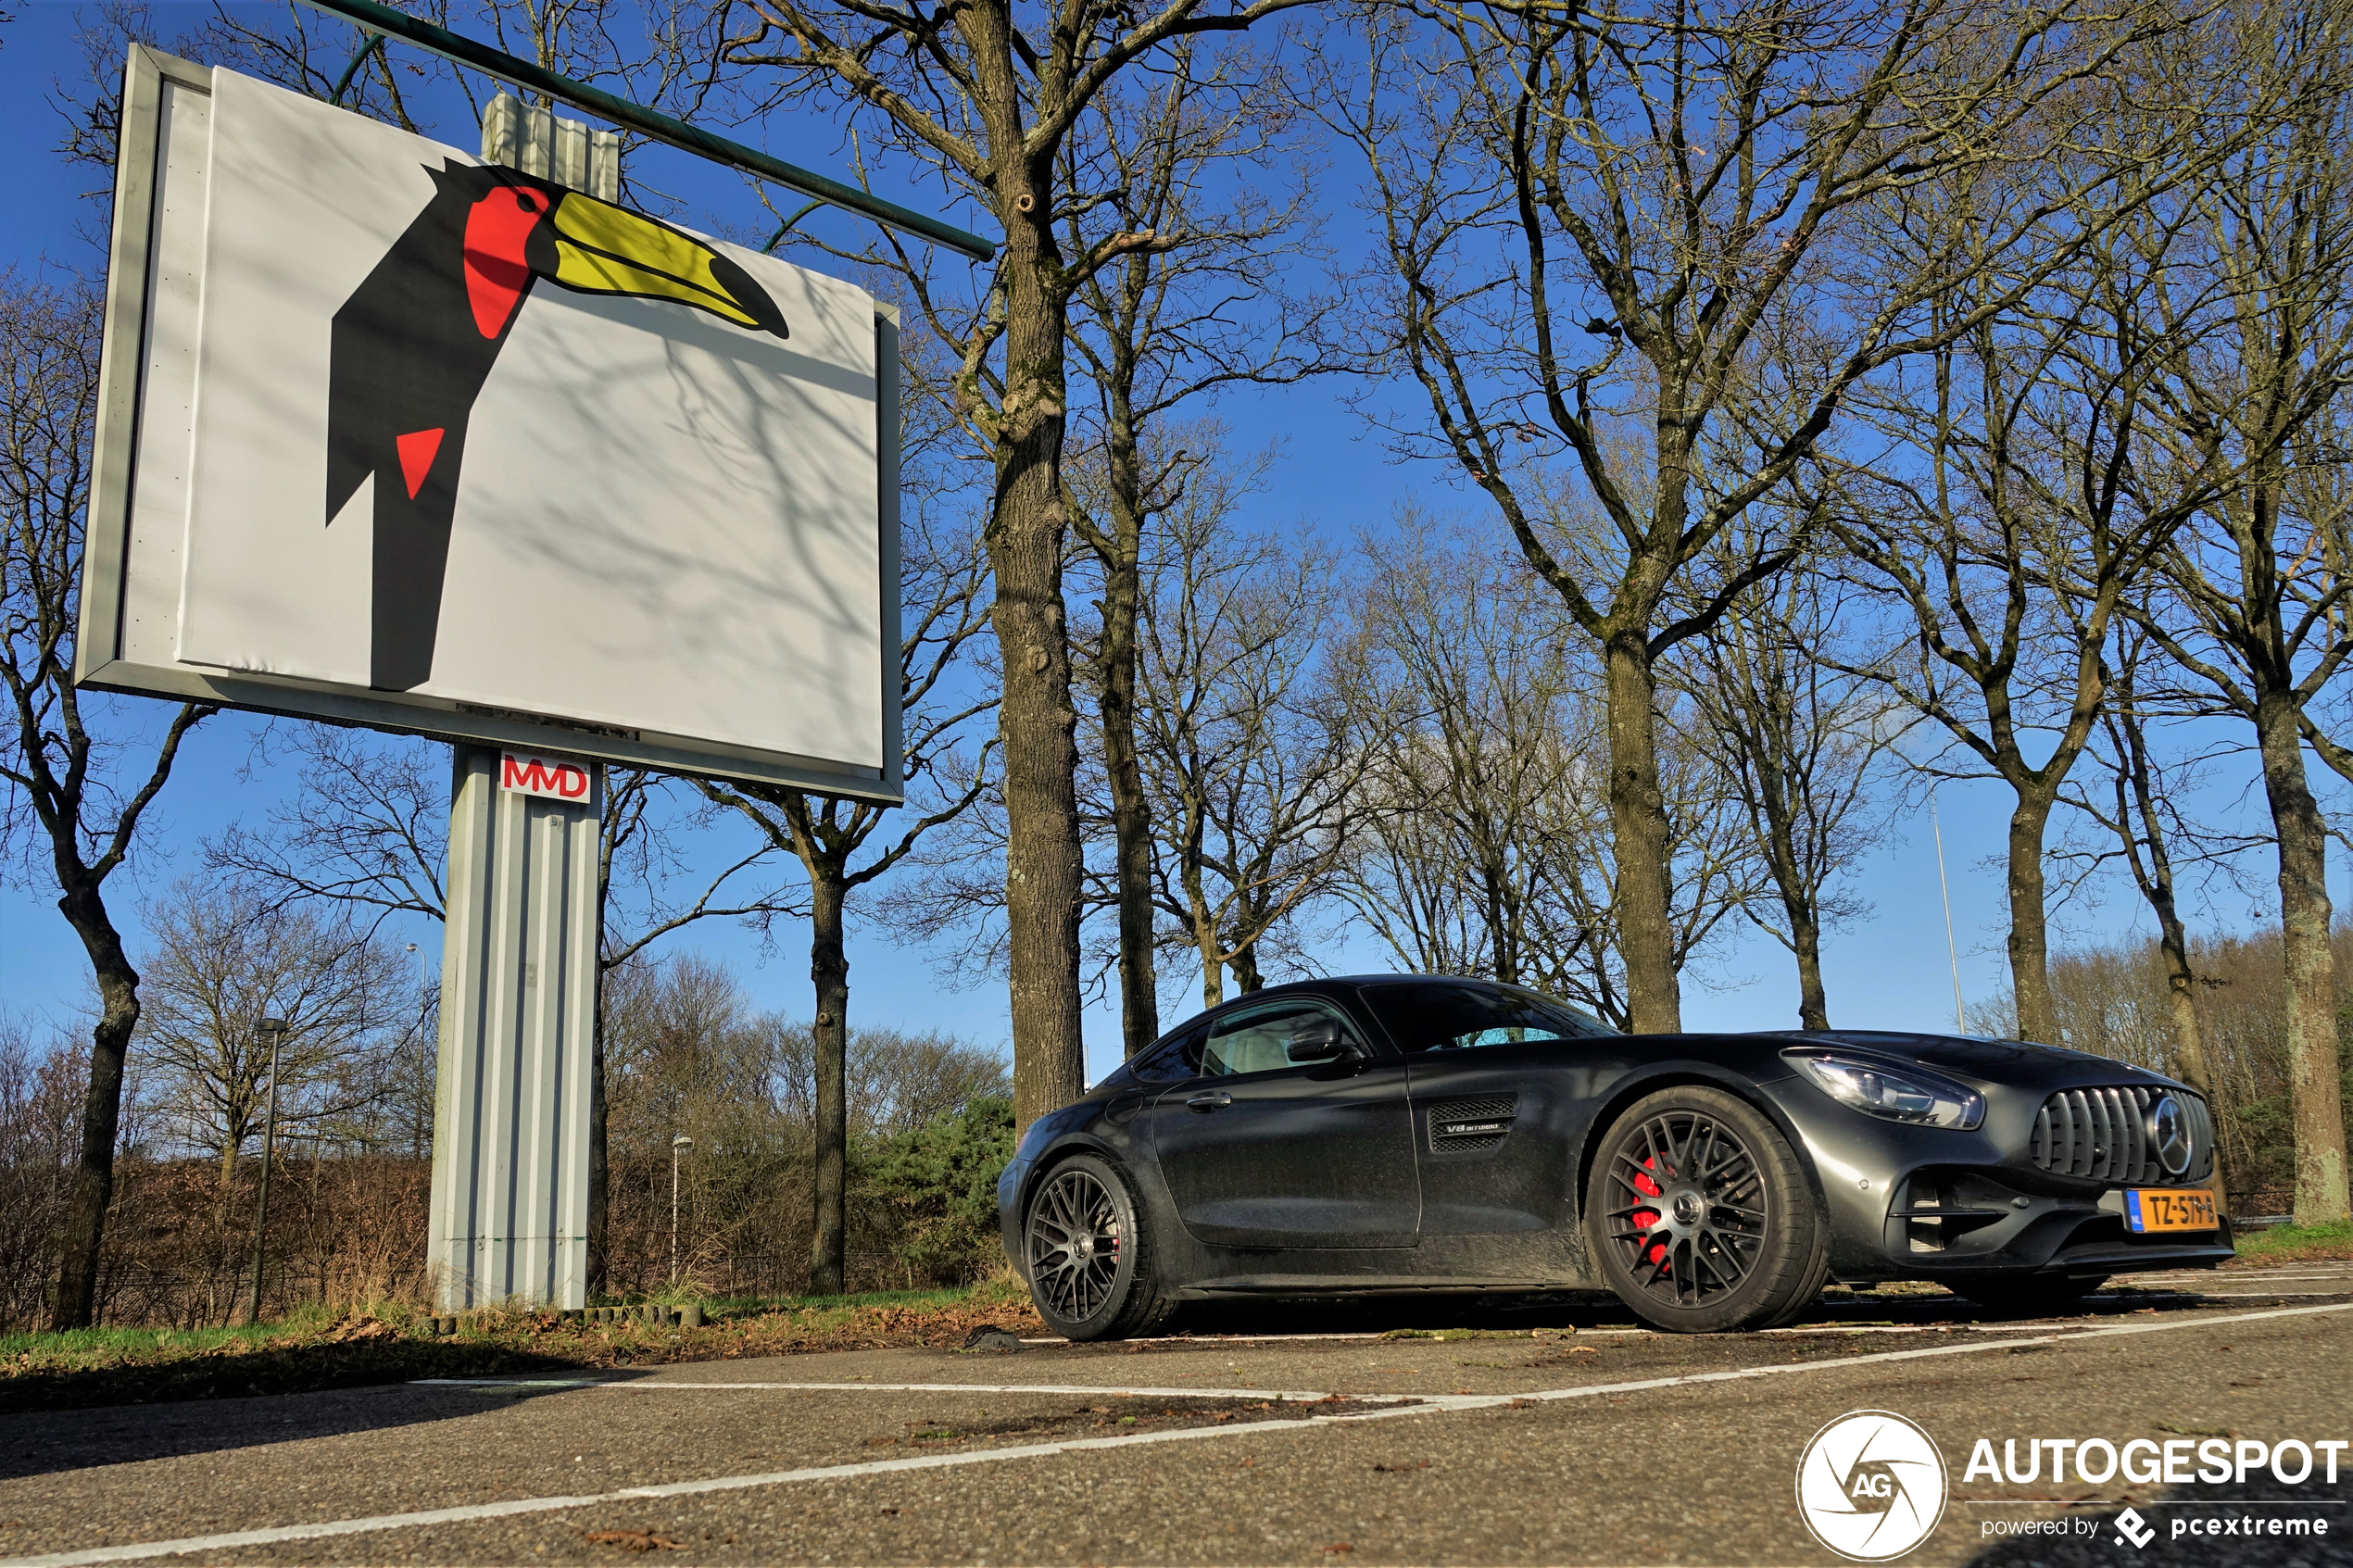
<point>1205,1103</point>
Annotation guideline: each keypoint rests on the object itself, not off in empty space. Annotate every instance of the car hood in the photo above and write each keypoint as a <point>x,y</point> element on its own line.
<point>2018,1063</point>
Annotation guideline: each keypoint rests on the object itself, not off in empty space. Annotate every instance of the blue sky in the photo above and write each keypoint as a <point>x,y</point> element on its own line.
<point>1888,970</point>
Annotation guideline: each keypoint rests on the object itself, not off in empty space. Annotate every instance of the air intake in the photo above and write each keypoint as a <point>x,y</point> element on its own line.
<point>1470,1123</point>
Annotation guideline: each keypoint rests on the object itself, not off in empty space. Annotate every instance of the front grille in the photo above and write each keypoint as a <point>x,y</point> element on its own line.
<point>2102,1134</point>
<point>1470,1123</point>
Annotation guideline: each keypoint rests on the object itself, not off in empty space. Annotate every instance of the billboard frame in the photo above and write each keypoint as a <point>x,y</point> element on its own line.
<point>99,663</point>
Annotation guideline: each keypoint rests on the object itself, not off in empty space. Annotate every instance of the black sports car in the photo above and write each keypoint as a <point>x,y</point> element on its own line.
<point>1420,1133</point>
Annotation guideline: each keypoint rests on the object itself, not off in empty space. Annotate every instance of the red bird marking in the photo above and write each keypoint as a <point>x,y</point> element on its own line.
<point>496,272</point>
<point>416,451</point>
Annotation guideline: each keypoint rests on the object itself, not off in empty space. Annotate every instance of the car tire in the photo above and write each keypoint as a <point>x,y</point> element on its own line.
<point>1699,1216</point>
<point>2026,1295</point>
<point>1087,1254</point>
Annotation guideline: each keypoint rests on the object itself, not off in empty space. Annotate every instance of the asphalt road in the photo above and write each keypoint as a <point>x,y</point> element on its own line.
<point>1554,1437</point>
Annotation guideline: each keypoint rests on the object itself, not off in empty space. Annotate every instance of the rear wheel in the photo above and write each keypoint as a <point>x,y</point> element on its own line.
<point>1701,1216</point>
<point>2027,1295</point>
<point>1088,1259</point>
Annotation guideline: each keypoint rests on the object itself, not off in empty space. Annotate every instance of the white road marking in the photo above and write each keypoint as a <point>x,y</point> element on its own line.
<point>1094,1390</point>
<point>1429,1406</point>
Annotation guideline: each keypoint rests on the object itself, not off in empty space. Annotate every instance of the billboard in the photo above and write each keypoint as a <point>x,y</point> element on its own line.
<point>393,436</point>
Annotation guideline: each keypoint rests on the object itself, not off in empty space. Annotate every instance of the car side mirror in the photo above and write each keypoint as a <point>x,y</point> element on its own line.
<point>1318,1041</point>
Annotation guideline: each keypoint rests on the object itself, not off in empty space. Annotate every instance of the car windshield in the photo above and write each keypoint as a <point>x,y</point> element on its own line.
<point>1442,1016</point>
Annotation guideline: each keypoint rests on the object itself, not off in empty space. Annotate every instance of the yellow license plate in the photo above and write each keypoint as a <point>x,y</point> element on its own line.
<point>2170,1208</point>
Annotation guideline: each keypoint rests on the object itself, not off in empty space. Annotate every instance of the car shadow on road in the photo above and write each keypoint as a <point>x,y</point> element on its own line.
<point>322,1402</point>
<point>1592,1310</point>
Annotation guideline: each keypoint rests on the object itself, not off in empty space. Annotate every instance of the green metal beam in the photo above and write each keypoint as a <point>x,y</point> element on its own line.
<point>650,122</point>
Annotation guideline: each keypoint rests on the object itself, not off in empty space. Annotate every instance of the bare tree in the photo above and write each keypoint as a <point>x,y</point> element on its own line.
<point>2137,792</point>
<point>41,1083</point>
<point>1800,743</point>
<point>2255,610</point>
<point>369,830</point>
<point>942,579</point>
<point>1487,848</point>
<point>1154,331</point>
<point>988,96</point>
<point>1706,196</point>
<point>652,52</point>
<point>76,793</point>
<point>223,960</point>
<point>1248,755</point>
<point>2021,508</point>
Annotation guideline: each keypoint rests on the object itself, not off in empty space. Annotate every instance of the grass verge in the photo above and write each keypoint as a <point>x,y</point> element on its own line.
<point>2293,1244</point>
<point>391,1343</point>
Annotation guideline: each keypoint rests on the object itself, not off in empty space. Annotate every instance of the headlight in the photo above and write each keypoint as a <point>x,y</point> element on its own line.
<point>1878,1090</point>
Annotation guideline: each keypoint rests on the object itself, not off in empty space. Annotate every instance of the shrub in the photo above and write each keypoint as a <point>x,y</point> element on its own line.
<point>938,1182</point>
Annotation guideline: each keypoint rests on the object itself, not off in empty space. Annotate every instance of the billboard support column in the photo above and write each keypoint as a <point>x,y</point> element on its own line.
<point>509,1208</point>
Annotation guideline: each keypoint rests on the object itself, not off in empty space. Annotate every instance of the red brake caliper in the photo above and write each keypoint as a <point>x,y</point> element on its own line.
<point>1646,1218</point>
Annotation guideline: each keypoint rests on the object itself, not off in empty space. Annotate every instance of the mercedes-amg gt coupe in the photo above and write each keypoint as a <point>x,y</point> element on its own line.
<point>1423,1134</point>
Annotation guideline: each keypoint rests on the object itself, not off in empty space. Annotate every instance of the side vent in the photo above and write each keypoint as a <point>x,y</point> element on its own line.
<point>1457,1124</point>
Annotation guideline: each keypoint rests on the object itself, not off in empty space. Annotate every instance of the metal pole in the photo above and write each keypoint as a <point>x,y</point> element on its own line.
<point>680,1142</point>
<point>1952,949</point>
<point>650,122</point>
<point>276,1029</point>
<point>423,1133</point>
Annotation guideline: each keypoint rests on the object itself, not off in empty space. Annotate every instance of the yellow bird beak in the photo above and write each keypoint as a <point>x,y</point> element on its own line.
<point>601,248</point>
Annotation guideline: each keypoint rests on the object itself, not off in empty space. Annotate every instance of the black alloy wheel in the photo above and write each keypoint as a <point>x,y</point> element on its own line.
<point>1701,1216</point>
<point>1083,1246</point>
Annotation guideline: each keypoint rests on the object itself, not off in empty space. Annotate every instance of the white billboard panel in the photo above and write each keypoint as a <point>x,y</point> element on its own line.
<point>395,437</point>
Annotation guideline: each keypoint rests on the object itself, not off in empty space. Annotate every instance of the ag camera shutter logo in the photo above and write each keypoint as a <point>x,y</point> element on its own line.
<point>1871,1486</point>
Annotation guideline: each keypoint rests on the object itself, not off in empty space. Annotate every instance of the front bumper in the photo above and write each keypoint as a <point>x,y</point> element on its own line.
<point>1010,1184</point>
<point>1908,1202</point>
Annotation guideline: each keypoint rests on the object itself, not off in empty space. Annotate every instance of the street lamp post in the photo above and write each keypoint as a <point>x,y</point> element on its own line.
<point>680,1142</point>
<point>420,1138</point>
<point>275,1028</point>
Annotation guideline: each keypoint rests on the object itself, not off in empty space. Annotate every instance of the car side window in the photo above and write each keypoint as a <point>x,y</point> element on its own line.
<point>1463,1016</point>
<point>1174,1058</point>
<point>1258,1040</point>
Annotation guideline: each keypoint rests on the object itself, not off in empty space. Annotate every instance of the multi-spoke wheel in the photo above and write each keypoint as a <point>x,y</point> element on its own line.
<point>1082,1245</point>
<point>1699,1216</point>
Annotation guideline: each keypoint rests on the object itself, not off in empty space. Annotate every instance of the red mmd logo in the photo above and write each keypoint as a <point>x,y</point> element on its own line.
<point>550,777</point>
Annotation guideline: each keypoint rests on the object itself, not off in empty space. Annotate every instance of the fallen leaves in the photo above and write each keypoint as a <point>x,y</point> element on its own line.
<point>635,1541</point>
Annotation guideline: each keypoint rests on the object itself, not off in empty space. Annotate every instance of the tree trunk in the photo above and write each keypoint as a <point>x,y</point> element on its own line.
<point>2311,970</point>
<point>1244,963</point>
<point>230,1146</point>
<point>85,1228</point>
<point>1036,719</point>
<point>829,1043</point>
<point>1638,828</point>
<point>1805,936</point>
<point>2029,934</point>
<point>1131,817</point>
<point>1212,966</point>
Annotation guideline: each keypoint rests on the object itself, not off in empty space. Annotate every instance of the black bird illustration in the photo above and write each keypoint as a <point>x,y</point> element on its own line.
<point>415,342</point>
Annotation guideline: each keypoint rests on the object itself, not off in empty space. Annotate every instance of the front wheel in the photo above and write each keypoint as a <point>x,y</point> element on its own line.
<point>1089,1260</point>
<point>1701,1216</point>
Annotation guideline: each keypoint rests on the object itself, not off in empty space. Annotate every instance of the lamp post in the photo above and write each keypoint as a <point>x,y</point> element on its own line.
<point>420,1140</point>
<point>275,1029</point>
<point>680,1142</point>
